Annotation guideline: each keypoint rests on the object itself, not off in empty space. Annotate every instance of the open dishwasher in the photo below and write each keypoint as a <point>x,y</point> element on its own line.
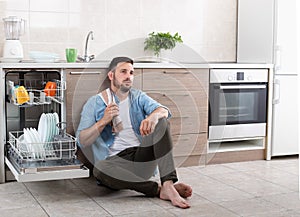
<point>36,146</point>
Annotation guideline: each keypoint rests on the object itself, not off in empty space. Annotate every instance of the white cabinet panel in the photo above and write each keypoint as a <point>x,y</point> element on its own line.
<point>255,31</point>
<point>285,116</point>
<point>286,37</point>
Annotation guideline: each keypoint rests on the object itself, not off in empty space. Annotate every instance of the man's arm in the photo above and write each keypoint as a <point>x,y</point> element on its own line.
<point>148,124</point>
<point>88,136</point>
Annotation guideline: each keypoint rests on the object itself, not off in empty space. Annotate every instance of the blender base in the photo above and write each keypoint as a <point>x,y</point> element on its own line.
<point>12,51</point>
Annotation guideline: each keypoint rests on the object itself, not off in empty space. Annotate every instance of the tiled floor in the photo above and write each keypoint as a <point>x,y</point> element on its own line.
<point>255,188</point>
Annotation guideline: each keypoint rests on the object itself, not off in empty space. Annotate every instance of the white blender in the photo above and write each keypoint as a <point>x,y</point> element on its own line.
<point>14,27</point>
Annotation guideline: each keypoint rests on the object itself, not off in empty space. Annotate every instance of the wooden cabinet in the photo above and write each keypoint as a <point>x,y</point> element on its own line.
<point>185,93</point>
<point>189,110</point>
<point>175,79</point>
<point>81,85</point>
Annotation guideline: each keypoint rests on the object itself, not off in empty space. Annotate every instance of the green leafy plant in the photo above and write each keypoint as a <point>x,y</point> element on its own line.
<point>158,41</point>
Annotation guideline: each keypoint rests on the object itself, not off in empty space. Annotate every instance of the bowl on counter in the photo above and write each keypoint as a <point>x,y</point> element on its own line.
<point>43,57</point>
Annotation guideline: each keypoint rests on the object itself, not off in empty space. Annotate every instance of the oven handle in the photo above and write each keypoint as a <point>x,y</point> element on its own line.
<point>276,92</point>
<point>259,86</point>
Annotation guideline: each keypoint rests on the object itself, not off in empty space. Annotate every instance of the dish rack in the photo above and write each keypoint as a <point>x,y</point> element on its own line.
<point>36,90</point>
<point>56,154</point>
<point>55,150</point>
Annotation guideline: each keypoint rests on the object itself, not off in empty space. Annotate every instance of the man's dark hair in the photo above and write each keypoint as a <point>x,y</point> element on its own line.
<point>113,64</point>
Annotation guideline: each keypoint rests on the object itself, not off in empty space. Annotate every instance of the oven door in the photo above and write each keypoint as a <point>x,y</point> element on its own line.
<point>237,107</point>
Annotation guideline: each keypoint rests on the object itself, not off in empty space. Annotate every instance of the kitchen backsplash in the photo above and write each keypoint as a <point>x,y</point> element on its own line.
<point>208,27</point>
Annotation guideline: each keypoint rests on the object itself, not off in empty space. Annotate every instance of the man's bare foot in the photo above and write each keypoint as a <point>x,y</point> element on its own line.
<point>183,190</point>
<point>169,192</point>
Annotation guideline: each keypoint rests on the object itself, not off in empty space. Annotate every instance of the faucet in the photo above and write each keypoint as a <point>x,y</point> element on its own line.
<point>86,58</point>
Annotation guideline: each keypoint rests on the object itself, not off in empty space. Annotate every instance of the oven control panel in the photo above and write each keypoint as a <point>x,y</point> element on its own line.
<point>238,75</point>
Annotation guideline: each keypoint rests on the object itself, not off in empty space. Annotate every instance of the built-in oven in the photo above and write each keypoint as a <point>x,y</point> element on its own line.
<point>237,103</point>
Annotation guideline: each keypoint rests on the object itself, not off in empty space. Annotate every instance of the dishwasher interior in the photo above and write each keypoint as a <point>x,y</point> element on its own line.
<point>37,147</point>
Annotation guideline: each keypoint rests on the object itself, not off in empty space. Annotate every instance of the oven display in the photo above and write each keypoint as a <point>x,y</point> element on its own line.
<point>240,76</point>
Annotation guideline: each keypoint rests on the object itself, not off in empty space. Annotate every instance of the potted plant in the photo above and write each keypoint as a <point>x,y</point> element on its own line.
<point>158,41</point>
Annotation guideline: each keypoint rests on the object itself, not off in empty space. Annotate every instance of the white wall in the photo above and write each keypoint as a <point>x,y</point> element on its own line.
<point>208,27</point>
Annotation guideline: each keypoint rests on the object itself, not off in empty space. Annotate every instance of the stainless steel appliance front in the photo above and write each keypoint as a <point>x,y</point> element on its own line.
<point>238,103</point>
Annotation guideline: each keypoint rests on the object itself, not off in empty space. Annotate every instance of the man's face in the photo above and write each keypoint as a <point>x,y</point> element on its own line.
<point>122,78</point>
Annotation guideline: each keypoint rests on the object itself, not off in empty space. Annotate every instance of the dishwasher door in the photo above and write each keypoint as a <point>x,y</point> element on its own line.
<point>38,157</point>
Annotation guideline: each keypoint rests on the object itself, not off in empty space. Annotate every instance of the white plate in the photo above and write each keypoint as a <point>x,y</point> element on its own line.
<point>22,145</point>
<point>42,127</point>
<point>45,60</point>
<point>28,140</point>
<point>39,144</point>
<point>53,125</point>
<point>34,143</point>
<point>42,54</point>
<point>44,131</point>
<point>56,118</point>
<point>50,127</point>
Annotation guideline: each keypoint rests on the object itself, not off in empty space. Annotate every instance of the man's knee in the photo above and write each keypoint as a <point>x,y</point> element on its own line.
<point>99,168</point>
<point>161,129</point>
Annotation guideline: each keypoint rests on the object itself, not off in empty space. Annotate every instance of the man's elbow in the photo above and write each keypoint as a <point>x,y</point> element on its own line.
<point>83,142</point>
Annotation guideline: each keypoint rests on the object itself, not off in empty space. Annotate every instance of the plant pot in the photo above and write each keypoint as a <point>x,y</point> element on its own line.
<point>165,56</point>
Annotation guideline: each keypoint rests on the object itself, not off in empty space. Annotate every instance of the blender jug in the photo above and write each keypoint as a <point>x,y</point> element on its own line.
<point>14,27</point>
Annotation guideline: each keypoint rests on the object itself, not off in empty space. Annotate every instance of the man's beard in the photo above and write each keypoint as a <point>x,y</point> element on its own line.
<point>124,89</point>
<point>121,87</point>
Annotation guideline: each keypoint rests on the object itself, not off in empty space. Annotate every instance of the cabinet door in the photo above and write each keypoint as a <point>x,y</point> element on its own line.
<point>285,117</point>
<point>286,37</point>
<point>81,85</point>
<point>189,110</point>
<point>189,149</point>
<point>184,92</point>
<point>189,144</point>
<point>175,79</point>
<point>255,31</point>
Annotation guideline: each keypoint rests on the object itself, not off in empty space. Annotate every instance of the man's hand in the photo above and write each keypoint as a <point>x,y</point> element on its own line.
<point>110,112</point>
<point>148,124</point>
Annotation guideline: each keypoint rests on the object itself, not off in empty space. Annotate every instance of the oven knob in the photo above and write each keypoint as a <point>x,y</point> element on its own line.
<point>230,78</point>
<point>249,78</point>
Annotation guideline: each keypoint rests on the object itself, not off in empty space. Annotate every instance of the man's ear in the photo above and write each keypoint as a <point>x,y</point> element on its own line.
<point>110,75</point>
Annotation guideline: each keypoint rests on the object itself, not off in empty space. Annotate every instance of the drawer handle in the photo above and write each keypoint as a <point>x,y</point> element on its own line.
<point>170,72</point>
<point>183,117</point>
<point>79,73</point>
<point>174,94</point>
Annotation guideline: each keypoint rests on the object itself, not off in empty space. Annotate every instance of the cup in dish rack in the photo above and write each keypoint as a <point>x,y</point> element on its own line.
<point>21,95</point>
<point>21,145</point>
<point>50,88</point>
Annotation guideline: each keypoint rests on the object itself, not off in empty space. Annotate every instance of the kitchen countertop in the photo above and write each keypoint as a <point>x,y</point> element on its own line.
<point>104,64</point>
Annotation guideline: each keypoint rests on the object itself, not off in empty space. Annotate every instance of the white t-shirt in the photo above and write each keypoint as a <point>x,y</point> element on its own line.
<point>126,138</point>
